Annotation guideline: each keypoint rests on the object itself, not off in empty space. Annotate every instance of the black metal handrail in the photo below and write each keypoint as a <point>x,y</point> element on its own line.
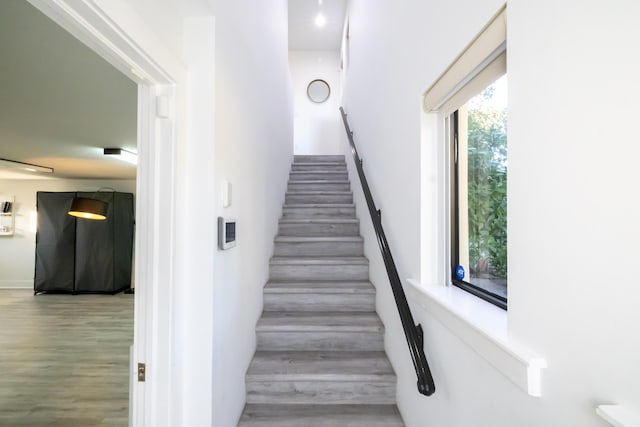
<point>412,332</point>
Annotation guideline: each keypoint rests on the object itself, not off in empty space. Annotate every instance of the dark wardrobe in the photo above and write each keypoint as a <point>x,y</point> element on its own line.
<point>76,255</point>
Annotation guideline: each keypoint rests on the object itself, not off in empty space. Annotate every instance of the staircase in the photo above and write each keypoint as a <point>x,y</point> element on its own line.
<point>320,359</point>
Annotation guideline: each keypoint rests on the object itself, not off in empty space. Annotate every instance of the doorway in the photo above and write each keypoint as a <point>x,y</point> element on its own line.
<point>154,189</point>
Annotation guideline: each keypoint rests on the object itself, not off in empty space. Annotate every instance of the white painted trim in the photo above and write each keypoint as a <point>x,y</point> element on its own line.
<point>160,284</point>
<point>94,27</point>
<point>197,233</point>
<point>153,400</point>
<point>483,327</point>
<point>93,22</point>
<point>485,47</point>
<point>16,284</point>
<point>619,415</point>
<point>143,253</point>
<point>132,383</point>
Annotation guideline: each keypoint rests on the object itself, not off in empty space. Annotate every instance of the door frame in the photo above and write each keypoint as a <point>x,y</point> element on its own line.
<point>158,76</point>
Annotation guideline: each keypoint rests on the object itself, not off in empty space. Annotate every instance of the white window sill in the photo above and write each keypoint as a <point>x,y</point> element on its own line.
<point>619,415</point>
<point>483,327</point>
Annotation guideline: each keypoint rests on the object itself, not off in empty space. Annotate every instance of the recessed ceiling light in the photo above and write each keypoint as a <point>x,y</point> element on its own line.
<point>120,154</point>
<point>320,20</point>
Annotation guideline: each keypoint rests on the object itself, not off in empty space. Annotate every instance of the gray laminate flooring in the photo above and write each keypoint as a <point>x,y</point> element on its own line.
<point>320,357</point>
<point>64,359</point>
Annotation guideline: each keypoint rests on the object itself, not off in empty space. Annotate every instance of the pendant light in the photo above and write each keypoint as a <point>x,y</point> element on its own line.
<point>84,207</point>
<point>90,207</point>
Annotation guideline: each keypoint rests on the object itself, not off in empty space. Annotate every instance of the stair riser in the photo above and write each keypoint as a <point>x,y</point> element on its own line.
<point>319,302</point>
<point>314,176</point>
<point>320,341</point>
<point>319,249</point>
<point>319,212</point>
<point>321,186</point>
<point>321,416</point>
<point>325,421</point>
<point>319,167</point>
<point>328,416</point>
<point>321,392</point>
<point>294,199</point>
<point>319,229</point>
<point>319,272</point>
<point>322,421</point>
<point>317,159</point>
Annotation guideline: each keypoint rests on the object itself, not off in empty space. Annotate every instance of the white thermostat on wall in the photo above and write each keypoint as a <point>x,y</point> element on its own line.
<point>226,233</point>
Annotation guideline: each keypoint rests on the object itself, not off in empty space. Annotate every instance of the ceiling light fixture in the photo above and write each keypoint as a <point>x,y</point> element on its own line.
<point>29,167</point>
<point>120,154</point>
<point>320,20</point>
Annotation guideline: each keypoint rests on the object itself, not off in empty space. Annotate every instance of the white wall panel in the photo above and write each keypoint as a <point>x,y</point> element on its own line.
<point>316,125</point>
<point>573,228</point>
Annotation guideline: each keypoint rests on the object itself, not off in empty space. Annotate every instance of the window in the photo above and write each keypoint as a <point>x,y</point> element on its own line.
<point>469,98</point>
<point>478,194</point>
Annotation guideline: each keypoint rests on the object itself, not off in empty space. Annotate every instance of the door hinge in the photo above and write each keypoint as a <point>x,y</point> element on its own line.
<point>142,368</point>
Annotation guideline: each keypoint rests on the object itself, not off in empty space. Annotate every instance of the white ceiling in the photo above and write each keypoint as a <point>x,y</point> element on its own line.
<point>60,103</point>
<point>305,35</point>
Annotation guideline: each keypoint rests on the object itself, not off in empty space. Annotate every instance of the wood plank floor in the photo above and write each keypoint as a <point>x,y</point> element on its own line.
<point>64,359</point>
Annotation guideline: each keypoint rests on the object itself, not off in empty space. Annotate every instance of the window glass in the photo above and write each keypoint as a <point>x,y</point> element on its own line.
<point>479,194</point>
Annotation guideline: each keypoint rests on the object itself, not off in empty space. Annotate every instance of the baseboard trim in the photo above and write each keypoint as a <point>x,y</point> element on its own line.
<point>16,284</point>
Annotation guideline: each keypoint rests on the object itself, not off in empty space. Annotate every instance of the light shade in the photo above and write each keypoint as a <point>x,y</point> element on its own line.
<point>83,207</point>
<point>120,154</point>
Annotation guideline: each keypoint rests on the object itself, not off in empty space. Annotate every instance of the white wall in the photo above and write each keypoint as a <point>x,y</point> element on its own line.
<point>316,126</point>
<point>233,120</point>
<point>253,151</point>
<point>17,262</point>
<point>573,227</point>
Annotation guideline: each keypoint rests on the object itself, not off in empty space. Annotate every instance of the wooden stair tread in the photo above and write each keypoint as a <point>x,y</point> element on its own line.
<point>319,205</point>
<point>319,220</point>
<point>326,163</point>
<point>300,415</point>
<point>319,287</point>
<point>339,239</point>
<point>319,181</point>
<point>304,158</point>
<point>317,193</point>
<point>319,322</point>
<point>370,366</point>
<point>299,260</point>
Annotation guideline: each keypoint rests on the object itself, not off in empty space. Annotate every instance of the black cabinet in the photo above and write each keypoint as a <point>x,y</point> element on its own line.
<point>75,255</point>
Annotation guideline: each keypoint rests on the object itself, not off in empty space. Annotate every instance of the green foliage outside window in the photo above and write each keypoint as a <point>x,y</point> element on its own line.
<point>487,194</point>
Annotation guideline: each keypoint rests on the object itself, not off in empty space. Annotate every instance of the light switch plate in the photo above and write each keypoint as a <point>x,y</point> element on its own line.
<point>226,194</point>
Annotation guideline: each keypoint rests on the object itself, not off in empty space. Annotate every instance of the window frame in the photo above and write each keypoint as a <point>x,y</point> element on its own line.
<point>479,64</point>
<point>452,127</point>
